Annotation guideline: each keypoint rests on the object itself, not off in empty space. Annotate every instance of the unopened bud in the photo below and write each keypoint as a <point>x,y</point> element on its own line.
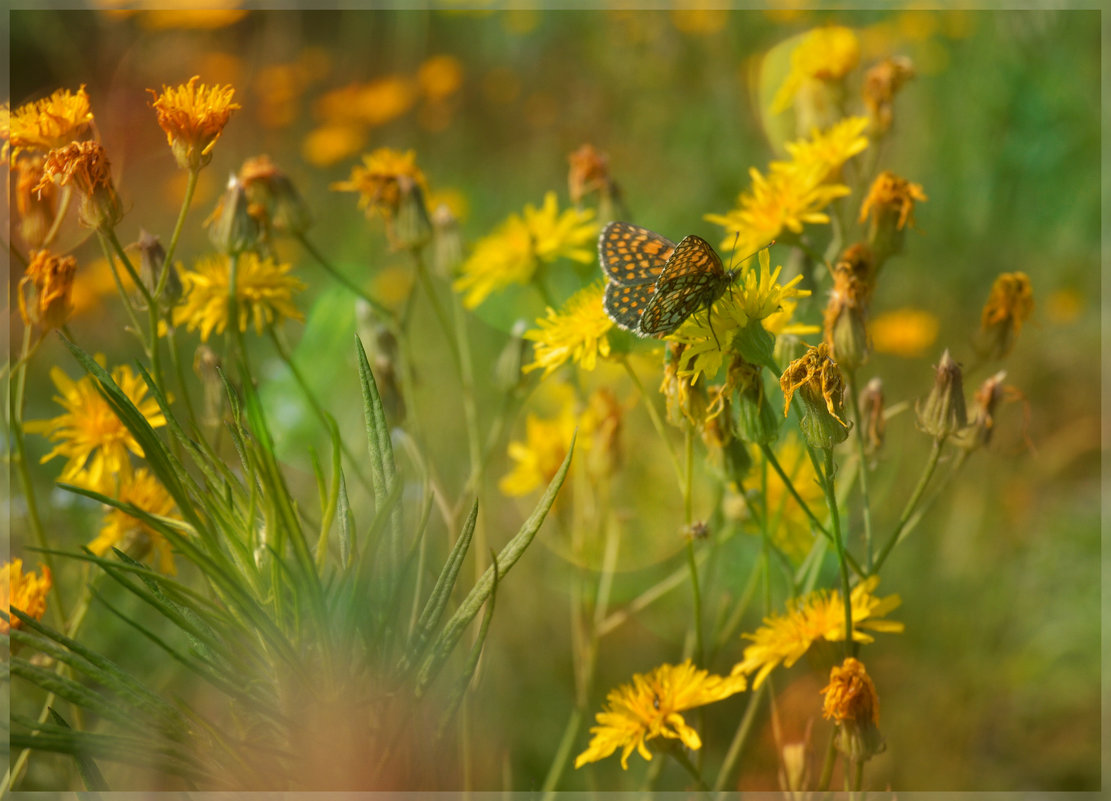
<point>942,413</point>
<point>232,227</point>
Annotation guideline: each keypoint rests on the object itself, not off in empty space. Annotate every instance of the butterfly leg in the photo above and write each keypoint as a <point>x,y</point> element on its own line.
<point>710,322</point>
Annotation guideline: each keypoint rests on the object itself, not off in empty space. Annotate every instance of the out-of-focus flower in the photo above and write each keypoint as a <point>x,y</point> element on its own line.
<point>538,457</point>
<point>279,202</point>
<point>44,290</point>
<point>820,61</point>
<point>368,104</point>
<point>851,700</point>
<point>982,425</point>
<point>86,165</point>
<point>881,83</point>
<point>890,203</point>
<point>818,616</point>
<point>905,332</point>
<point>388,182</point>
<point>235,225</point>
<point>193,118</point>
<point>846,315</point>
<point>576,332</point>
<point>831,148</point>
<point>35,201</point>
<point>27,593</point>
<point>590,174</point>
<point>1009,305</point>
<point>94,441</point>
<point>522,245</point>
<point>50,123</point>
<point>649,707</point>
<point>121,530</point>
<point>440,76</point>
<point>263,292</point>
<point>331,143</point>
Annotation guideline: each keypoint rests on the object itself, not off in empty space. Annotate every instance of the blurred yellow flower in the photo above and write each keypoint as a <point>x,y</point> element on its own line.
<point>538,458</point>
<point>818,616</point>
<point>824,54</point>
<point>93,283</point>
<point>756,296</point>
<point>699,21</point>
<point>891,197</point>
<point>649,707</point>
<point>381,181</point>
<point>89,434</point>
<point>62,118</point>
<point>27,593</point>
<point>524,243</point>
<point>905,332</point>
<point>193,118</point>
<point>831,149</point>
<point>370,104</point>
<point>263,290</point>
<point>47,282</point>
<point>440,77</point>
<point>1009,305</point>
<point>332,143</point>
<point>851,701</point>
<point>120,529</point>
<point>576,332</point>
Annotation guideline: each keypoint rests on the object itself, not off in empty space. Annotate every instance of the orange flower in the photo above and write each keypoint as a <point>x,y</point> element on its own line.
<point>193,118</point>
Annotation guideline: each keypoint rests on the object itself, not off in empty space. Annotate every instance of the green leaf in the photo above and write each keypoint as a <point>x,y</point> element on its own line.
<point>90,773</point>
<point>507,557</point>
<point>383,466</point>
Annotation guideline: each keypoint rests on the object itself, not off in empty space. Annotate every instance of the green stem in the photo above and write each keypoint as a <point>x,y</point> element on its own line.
<point>127,305</point>
<point>739,738</point>
<point>343,279</point>
<point>681,757</point>
<point>152,306</point>
<point>692,564</point>
<point>865,499</point>
<point>838,541</point>
<point>441,315</point>
<point>916,496</point>
<point>186,202</point>
<point>828,762</point>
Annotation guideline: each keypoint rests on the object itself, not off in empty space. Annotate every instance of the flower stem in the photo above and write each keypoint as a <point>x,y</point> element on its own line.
<point>838,542</point>
<point>866,511</point>
<point>186,202</point>
<point>692,564</point>
<point>739,738</point>
<point>916,496</point>
<point>681,757</point>
<point>343,279</point>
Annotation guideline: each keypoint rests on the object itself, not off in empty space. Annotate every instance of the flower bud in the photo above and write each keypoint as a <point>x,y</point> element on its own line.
<point>852,702</point>
<point>943,413</point>
<point>980,428</point>
<point>271,190</point>
<point>413,227</point>
<point>756,420</point>
<point>890,203</point>
<point>447,243</point>
<point>152,261</point>
<point>818,380</point>
<point>871,415</point>
<point>881,82</point>
<point>846,328</point>
<point>44,290</point>
<point>232,227</point>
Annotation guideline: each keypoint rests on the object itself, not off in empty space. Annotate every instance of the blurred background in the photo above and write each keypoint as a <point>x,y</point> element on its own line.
<point>995,685</point>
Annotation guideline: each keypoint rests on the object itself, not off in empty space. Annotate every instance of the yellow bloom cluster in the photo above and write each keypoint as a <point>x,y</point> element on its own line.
<point>27,593</point>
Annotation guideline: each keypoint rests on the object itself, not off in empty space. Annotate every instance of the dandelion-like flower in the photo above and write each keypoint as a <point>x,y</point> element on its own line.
<point>380,180</point>
<point>45,289</point>
<point>1009,305</point>
<point>824,55</point>
<point>263,291</point>
<point>783,639</point>
<point>90,436</point>
<point>120,529</point>
<point>523,244</point>
<point>576,332</point>
<point>27,593</point>
<point>756,296</point>
<point>55,121</point>
<point>649,707</point>
<point>86,165</point>
<point>193,118</point>
<point>830,148</point>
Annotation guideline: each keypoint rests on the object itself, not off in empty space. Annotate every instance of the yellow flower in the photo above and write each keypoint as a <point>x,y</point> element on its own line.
<point>263,292</point>
<point>1009,305</point>
<point>788,525</point>
<point>818,378</point>
<point>824,54</point>
<point>650,706</point>
<point>891,200</point>
<point>538,458</point>
<point>55,121</point>
<point>367,104</point>
<point>27,593</point>
<point>523,244</point>
<point>120,529</point>
<point>831,149</point>
<point>783,201</point>
<point>818,616</point>
<point>193,118</point>
<point>757,296</point>
<point>90,435</point>
<point>576,332</point>
<point>86,165</point>
<point>381,179</point>
<point>905,332</point>
<point>50,281</point>
<point>852,702</point>
<point>440,77</point>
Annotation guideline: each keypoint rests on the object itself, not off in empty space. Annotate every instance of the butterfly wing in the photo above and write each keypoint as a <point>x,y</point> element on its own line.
<point>692,278</point>
<point>632,255</point>
<point>625,303</point>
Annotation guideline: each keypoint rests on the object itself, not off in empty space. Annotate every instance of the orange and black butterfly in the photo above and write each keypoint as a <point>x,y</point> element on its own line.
<point>654,284</point>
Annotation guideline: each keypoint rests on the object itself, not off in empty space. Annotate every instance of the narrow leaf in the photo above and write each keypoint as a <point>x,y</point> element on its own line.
<point>90,773</point>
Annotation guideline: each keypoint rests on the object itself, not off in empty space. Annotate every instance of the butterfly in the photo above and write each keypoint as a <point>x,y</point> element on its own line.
<point>654,284</point>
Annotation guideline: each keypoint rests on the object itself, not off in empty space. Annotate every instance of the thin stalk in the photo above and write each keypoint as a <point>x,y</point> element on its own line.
<point>127,305</point>
<point>441,315</point>
<point>865,498</point>
<point>343,279</point>
<point>828,762</point>
<point>739,738</point>
<point>916,496</point>
<point>186,202</point>
<point>681,757</point>
<point>838,541</point>
<point>152,305</point>
<point>692,564</point>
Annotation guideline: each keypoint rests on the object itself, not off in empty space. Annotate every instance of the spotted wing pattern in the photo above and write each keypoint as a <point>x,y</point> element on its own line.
<point>692,278</point>
<point>632,259</point>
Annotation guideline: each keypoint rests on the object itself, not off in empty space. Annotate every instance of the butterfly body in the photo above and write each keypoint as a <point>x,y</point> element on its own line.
<point>654,284</point>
